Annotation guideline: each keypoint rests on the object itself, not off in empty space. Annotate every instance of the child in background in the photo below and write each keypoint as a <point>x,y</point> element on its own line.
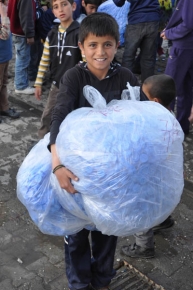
<point>99,39</point>
<point>60,53</point>
<point>5,56</point>
<point>84,8</point>
<point>160,89</point>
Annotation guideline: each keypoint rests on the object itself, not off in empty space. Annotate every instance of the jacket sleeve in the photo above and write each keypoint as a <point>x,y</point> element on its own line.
<point>185,26</point>
<point>26,16</point>
<point>67,101</point>
<point>119,3</point>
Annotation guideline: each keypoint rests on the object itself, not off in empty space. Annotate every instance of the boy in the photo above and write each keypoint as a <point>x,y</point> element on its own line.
<point>99,39</point>
<point>84,8</point>
<point>160,89</point>
<point>60,53</point>
<point>5,56</point>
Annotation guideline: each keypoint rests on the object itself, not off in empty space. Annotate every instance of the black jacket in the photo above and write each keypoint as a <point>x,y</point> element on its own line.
<point>70,96</point>
<point>64,50</point>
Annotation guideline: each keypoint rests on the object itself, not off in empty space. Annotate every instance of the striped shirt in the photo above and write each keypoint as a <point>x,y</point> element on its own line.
<point>45,60</point>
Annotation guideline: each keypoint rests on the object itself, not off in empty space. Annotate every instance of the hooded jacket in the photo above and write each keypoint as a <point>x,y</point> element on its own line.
<point>180,26</point>
<point>22,14</point>
<point>70,96</point>
<point>64,50</point>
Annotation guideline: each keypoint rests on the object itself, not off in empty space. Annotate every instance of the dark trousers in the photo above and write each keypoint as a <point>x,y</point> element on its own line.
<point>4,104</point>
<point>85,265</point>
<point>180,68</point>
<point>144,36</point>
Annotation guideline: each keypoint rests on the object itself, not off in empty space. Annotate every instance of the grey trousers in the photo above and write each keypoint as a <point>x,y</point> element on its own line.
<point>145,239</point>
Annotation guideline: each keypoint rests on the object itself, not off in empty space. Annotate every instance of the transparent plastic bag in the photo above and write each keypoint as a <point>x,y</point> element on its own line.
<point>52,209</point>
<point>128,156</point>
<point>131,93</point>
<point>129,160</point>
<point>119,13</point>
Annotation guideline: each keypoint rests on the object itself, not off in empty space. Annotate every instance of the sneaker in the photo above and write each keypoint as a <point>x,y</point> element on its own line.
<point>12,113</point>
<point>169,222</point>
<point>135,251</point>
<point>27,91</point>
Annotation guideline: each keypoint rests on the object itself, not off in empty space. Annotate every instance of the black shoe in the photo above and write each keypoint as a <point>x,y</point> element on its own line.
<point>169,222</point>
<point>10,113</point>
<point>0,120</point>
<point>135,251</point>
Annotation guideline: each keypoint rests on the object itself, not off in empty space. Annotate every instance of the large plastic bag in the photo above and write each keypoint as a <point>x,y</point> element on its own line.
<point>119,13</point>
<point>129,159</point>
<point>52,209</point>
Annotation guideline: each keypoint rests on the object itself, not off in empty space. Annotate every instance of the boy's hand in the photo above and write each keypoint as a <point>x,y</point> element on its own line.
<point>163,34</point>
<point>38,93</point>
<point>64,176</point>
<point>30,41</point>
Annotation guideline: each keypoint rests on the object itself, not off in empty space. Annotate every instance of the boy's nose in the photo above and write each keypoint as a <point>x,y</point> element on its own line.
<point>100,50</point>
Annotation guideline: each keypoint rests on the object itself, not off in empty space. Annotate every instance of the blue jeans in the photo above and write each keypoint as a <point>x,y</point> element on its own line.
<point>143,36</point>
<point>22,61</point>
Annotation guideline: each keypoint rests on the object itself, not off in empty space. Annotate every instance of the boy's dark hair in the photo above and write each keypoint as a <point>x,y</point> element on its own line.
<point>94,2</point>
<point>52,2</point>
<point>161,87</point>
<point>99,24</point>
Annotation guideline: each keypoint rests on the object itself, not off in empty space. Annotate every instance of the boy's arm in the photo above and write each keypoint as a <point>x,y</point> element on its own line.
<point>27,18</point>
<point>43,66</point>
<point>63,175</point>
<point>183,28</point>
<point>66,102</point>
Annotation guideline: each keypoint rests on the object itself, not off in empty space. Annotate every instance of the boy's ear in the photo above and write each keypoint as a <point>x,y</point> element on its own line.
<point>157,100</point>
<point>73,6</point>
<point>81,47</point>
<point>83,3</point>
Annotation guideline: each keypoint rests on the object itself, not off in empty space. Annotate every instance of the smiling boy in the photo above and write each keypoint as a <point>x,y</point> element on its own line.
<point>60,53</point>
<point>98,41</point>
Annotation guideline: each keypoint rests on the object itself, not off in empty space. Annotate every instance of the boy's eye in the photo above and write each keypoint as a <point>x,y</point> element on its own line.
<point>92,44</point>
<point>108,44</point>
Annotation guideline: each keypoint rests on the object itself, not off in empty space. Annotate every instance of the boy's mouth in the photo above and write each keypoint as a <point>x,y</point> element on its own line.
<point>100,59</point>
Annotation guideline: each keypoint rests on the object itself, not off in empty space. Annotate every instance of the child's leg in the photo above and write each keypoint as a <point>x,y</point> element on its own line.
<point>46,116</point>
<point>103,251</point>
<point>78,261</point>
<point>4,105</point>
<point>143,246</point>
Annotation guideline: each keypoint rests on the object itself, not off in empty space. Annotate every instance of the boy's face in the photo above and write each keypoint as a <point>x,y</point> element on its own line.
<point>99,52</point>
<point>145,89</point>
<point>63,10</point>
<point>89,8</point>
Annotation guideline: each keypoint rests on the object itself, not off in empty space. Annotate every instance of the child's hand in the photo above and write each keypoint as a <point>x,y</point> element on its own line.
<point>163,34</point>
<point>64,176</point>
<point>38,93</point>
<point>191,116</point>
